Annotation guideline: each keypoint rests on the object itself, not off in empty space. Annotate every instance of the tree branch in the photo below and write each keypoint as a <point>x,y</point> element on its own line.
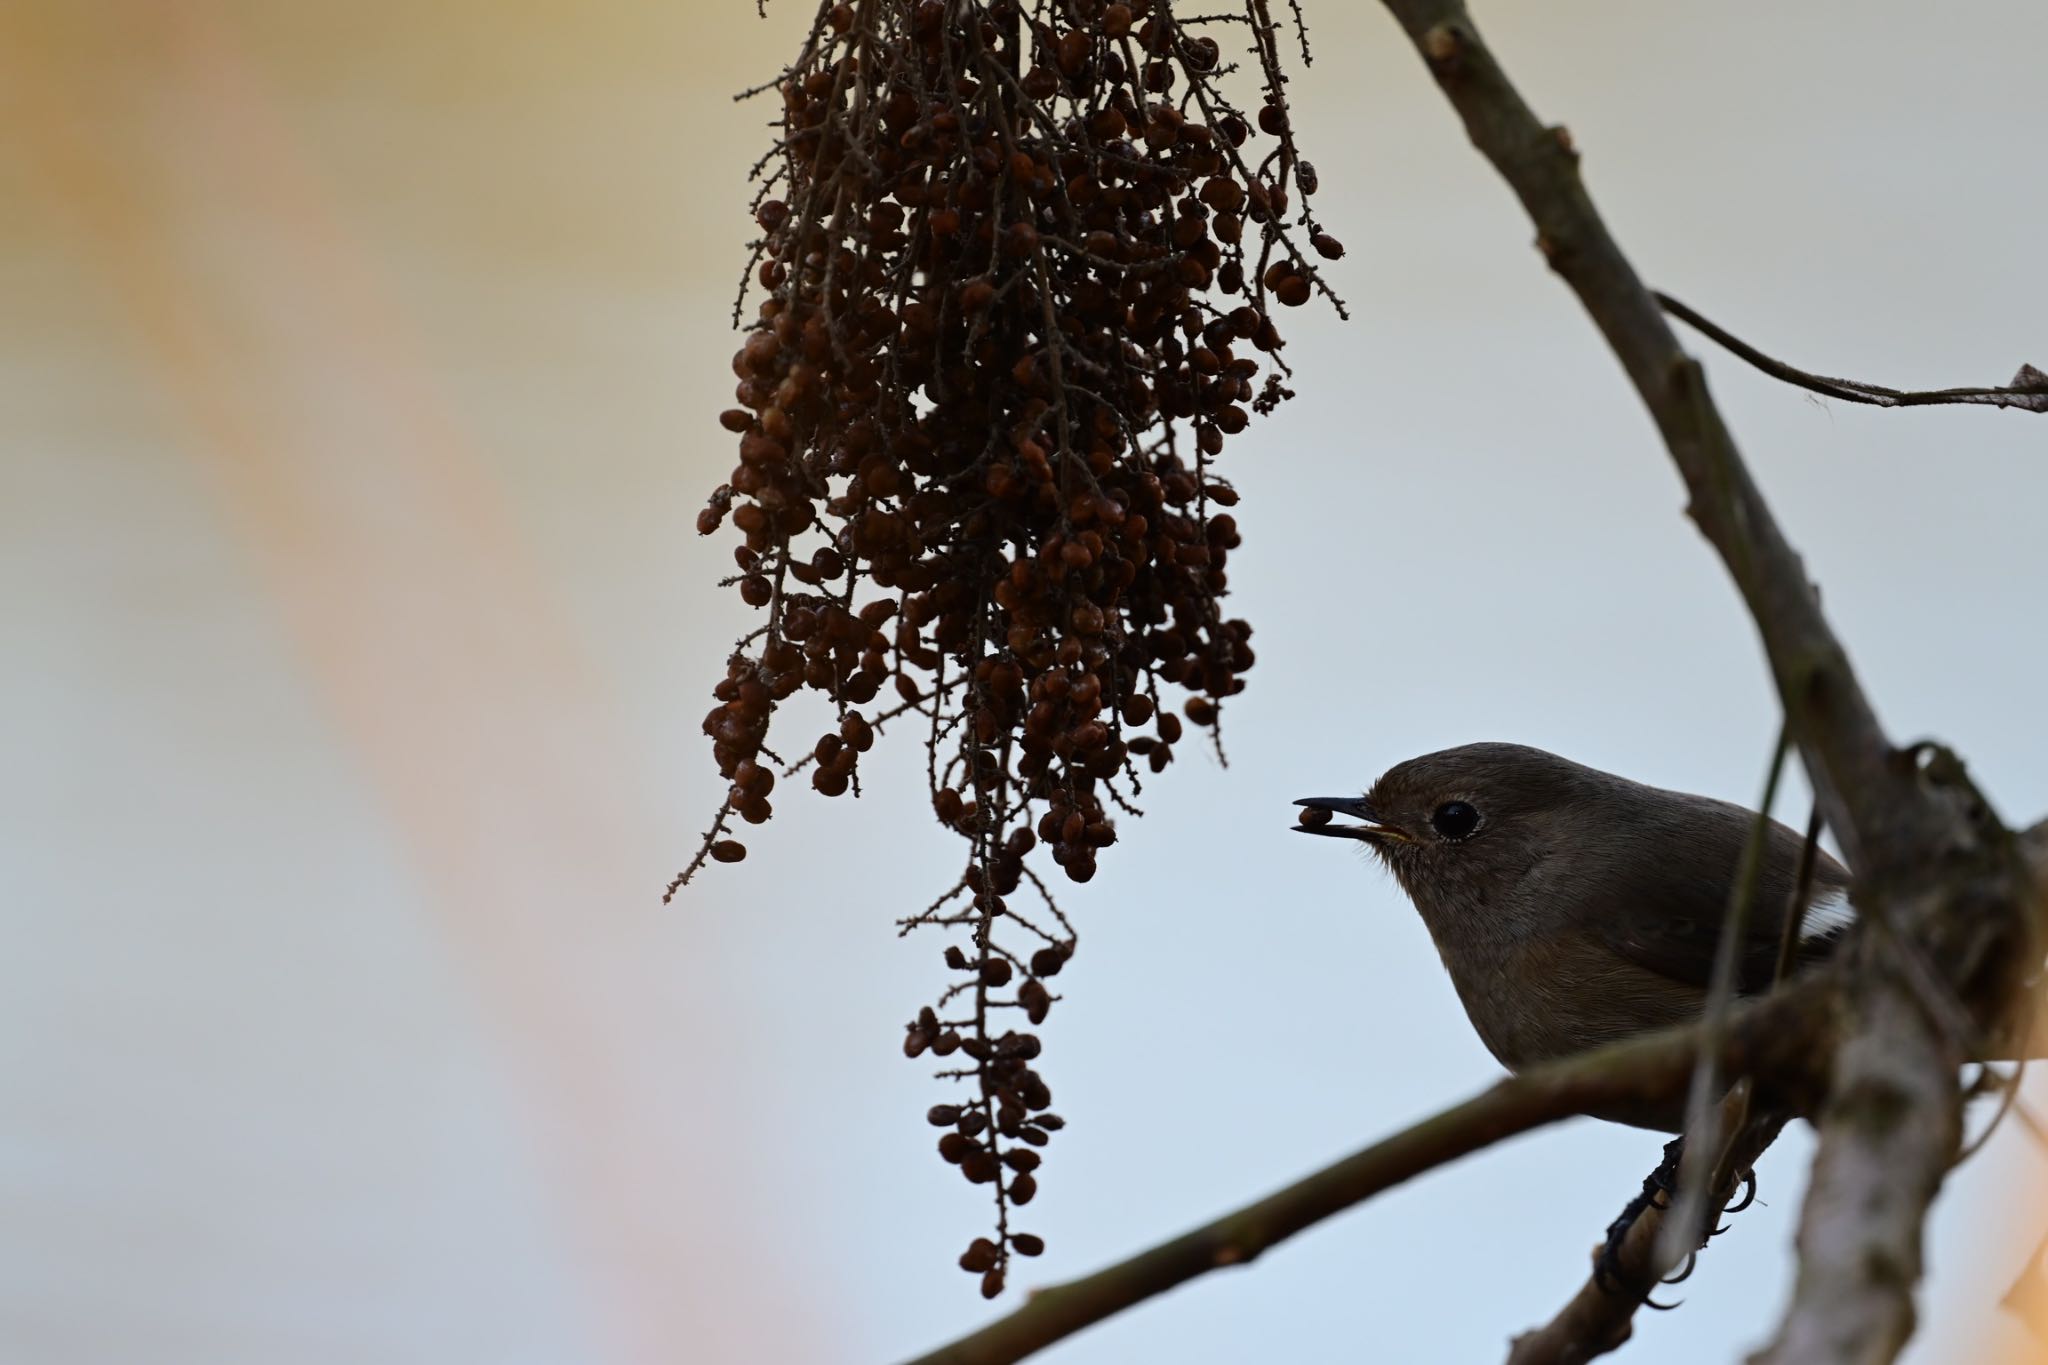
<point>2028,390</point>
<point>1888,1138</point>
<point>1889,1134</point>
<point>1838,733</point>
<point>1931,859</point>
<point>1779,1037</point>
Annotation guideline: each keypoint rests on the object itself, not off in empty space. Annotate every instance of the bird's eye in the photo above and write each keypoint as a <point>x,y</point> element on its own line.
<point>1454,820</point>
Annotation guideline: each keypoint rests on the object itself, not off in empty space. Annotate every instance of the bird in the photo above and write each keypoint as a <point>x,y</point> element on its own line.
<point>1573,907</point>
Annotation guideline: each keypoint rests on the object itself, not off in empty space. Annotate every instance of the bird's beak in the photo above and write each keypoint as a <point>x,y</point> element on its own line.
<point>1355,806</point>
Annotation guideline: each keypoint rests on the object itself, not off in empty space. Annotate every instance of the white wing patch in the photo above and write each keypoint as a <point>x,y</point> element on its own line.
<point>1829,914</point>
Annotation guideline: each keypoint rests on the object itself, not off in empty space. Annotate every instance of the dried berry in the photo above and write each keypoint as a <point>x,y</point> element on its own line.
<point>1004,532</point>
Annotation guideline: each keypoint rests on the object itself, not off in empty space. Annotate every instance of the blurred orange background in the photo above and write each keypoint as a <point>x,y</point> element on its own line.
<point>358,378</point>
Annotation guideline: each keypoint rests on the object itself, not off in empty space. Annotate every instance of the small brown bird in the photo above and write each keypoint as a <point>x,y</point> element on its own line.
<point>1573,907</point>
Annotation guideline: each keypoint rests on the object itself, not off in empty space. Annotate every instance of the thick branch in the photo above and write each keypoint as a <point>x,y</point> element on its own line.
<point>1779,1036</point>
<point>1888,1138</point>
<point>1837,732</point>
<point>1931,861</point>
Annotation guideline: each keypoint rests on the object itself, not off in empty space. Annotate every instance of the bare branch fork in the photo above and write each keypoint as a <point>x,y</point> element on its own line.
<point>1871,1046</point>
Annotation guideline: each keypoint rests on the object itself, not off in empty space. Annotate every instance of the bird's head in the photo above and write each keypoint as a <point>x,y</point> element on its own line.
<point>1465,822</point>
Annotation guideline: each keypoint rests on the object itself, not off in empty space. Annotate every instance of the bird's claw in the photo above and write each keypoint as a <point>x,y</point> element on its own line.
<point>1657,1189</point>
<point>1657,1192</point>
<point>1748,1193</point>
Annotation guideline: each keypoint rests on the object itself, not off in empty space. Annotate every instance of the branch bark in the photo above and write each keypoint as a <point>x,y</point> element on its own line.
<point>1773,1038</point>
<point>1835,727</point>
<point>1932,862</point>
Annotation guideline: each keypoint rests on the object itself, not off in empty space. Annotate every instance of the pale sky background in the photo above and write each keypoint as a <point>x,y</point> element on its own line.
<point>358,372</point>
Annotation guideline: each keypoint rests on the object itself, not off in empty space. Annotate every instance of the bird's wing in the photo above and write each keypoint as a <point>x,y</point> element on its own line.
<point>1667,911</point>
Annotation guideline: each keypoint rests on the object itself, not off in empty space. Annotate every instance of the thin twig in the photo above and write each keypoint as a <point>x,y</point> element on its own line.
<point>682,879</point>
<point>2027,392</point>
<point>1703,1134</point>
<point>1802,889</point>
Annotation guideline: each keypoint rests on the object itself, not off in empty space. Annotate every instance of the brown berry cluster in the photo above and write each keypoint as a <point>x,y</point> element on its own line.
<point>1020,262</point>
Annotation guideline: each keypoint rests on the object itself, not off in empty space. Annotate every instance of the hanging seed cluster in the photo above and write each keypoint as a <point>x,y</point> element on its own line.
<point>1019,268</point>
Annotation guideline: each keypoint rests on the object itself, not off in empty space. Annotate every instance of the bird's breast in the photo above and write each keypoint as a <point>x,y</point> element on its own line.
<point>1536,1000</point>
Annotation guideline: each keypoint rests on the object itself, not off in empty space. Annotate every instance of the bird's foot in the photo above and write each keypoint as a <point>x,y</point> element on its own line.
<point>1748,1198</point>
<point>1657,1190</point>
<point>1660,1187</point>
